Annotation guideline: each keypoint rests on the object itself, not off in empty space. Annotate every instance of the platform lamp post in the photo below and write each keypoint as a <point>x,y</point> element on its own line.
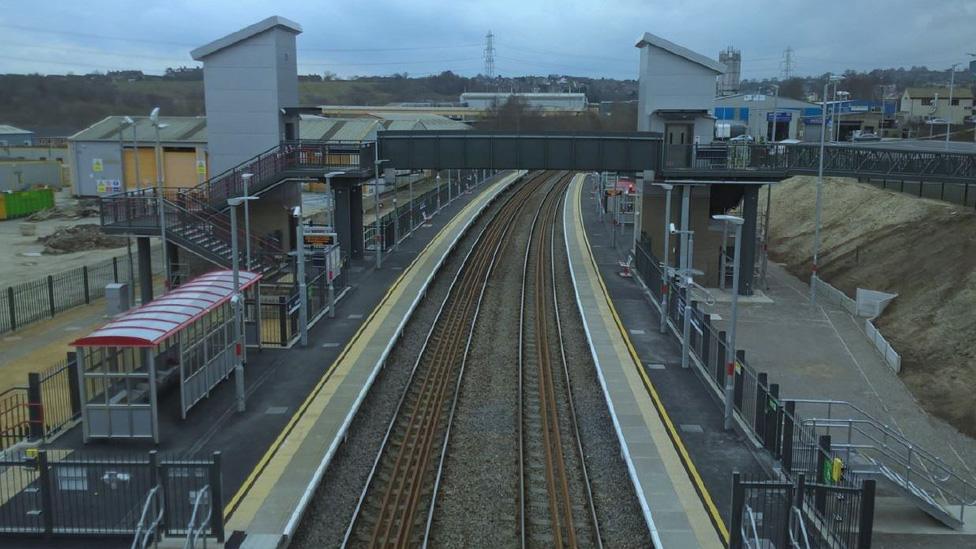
<point>819,206</point>
<point>123,124</point>
<point>160,201</point>
<point>730,346</point>
<point>376,219</point>
<point>238,302</point>
<point>665,263</point>
<point>952,84</point>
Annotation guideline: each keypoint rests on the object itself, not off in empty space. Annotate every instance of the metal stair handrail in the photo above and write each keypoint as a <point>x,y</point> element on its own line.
<point>146,532</point>
<point>796,517</point>
<point>865,434</point>
<point>755,532</point>
<point>192,531</point>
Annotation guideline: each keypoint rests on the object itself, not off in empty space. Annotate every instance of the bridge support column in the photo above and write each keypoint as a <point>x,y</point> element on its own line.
<point>356,222</point>
<point>145,269</point>
<point>747,259</point>
<point>348,215</point>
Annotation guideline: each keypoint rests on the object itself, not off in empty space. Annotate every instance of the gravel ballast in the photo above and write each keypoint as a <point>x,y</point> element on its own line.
<point>331,509</point>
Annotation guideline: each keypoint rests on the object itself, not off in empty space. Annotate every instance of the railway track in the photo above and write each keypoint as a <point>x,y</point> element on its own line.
<point>395,508</point>
<point>556,502</point>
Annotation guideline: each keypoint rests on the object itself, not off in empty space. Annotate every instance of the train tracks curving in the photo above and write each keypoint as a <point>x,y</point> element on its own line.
<point>395,508</point>
<point>556,503</point>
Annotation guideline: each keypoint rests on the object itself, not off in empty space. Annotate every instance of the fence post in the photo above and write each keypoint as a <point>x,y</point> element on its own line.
<point>738,378</point>
<point>769,410</point>
<point>282,321</point>
<point>84,276</point>
<point>216,499</point>
<point>820,492</point>
<point>738,500</point>
<point>154,481</point>
<point>35,407</point>
<point>44,481</point>
<point>50,293</point>
<point>11,308</point>
<point>115,269</point>
<point>706,341</point>
<point>723,359</point>
<point>865,527</point>
<point>762,379</point>
<point>788,436</point>
<point>74,388</point>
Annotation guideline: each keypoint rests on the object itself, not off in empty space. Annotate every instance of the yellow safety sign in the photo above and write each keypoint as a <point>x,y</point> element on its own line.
<point>201,167</point>
<point>97,165</point>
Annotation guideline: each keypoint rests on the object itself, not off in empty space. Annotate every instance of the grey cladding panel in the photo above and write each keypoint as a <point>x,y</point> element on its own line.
<point>549,150</point>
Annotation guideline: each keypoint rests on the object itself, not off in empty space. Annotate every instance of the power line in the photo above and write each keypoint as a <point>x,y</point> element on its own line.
<point>490,55</point>
<point>788,63</point>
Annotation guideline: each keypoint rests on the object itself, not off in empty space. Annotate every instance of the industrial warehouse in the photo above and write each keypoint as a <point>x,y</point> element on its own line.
<point>501,317</point>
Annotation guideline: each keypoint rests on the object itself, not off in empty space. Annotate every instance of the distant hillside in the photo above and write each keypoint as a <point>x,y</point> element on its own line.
<point>62,105</point>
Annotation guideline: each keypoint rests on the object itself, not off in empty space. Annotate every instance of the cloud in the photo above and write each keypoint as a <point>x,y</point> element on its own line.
<point>591,38</point>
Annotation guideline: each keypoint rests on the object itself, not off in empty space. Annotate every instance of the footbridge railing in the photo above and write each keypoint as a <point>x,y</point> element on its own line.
<point>784,160</point>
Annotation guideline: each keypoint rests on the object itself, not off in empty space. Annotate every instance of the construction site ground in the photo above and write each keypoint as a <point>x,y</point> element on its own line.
<point>23,255</point>
<point>923,250</point>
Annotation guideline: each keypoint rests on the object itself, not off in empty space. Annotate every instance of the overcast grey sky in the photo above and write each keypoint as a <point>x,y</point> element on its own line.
<point>587,38</point>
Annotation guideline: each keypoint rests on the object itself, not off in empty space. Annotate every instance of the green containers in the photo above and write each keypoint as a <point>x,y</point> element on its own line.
<point>24,203</point>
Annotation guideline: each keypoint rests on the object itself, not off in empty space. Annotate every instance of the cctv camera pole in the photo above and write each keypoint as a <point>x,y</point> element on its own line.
<point>302,288</point>
<point>666,265</point>
<point>247,221</point>
<point>730,349</point>
<point>685,212</point>
<point>686,309</point>
<point>239,343</point>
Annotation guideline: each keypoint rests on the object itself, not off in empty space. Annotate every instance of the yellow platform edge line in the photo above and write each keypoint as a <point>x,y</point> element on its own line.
<point>262,464</point>
<point>689,465</point>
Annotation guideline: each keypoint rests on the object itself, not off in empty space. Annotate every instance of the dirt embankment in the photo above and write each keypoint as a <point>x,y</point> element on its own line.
<point>922,250</point>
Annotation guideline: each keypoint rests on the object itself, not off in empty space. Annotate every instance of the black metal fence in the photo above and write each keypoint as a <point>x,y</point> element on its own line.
<point>802,512</point>
<point>48,404</point>
<point>43,298</point>
<point>771,419</point>
<point>61,493</point>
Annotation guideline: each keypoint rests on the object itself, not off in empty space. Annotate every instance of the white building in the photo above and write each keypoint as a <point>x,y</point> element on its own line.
<point>572,102</point>
<point>928,103</point>
<point>676,94</point>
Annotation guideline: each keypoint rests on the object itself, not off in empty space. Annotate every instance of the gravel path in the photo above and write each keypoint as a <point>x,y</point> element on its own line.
<point>329,512</point>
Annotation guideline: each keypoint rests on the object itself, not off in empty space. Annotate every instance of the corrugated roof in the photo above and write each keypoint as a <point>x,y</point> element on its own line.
<point>173,129</point>
<point>318,128</point>
<point>443,123</point>
<point>680,51</point>
<point>958,92</point>
<point>158,320</point>
<point>245,33</point>
<point>5,129</point>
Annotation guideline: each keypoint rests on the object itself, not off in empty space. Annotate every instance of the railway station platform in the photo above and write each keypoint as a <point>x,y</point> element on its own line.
<point>268,507</point>
<point>677,504</point>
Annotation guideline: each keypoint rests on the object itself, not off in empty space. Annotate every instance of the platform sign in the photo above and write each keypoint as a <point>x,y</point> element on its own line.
<point>318,237</point>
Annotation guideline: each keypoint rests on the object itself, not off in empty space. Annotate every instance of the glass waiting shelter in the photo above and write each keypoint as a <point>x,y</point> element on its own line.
<point>188,338</point>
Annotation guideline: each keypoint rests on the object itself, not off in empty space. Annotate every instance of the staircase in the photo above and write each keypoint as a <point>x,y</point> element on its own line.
<point>197,218</point>
<point>875,448</point>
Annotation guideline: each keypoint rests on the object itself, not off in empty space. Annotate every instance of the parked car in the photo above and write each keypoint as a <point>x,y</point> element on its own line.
<point>743,139</point>
<point>866,136</point>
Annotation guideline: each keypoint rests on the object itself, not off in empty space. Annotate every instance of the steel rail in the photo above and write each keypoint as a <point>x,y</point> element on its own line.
<point>444,329</point>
